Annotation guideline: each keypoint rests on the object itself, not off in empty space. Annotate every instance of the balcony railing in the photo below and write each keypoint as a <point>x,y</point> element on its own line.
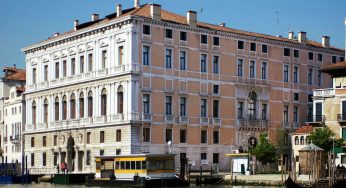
<point>216,121</point>
<point>330,92</point>
<point>146,117</point>
<point>168,118</point>
<point>252,122</point>
<point>183,119</point>
<point>204,120</point>
<point>316,119</point>
<point>341,118</point>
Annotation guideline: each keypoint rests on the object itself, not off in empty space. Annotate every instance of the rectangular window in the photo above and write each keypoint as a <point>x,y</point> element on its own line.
<point>264,71</point>
<point>216,158</point>
<point>319,78</point>
<point>32,142</point>
<point>88,157</point>
<point>102,137</point>
<point>264,48</point>
<point>310,77</point>
<point>146,50</point>
<point>104,58</point>
<point>44,141</point>
<point>121,55</point>
<point>216,64</point>
<point>45,77</point>
<point>319,57</point>
<point>81,64</point>
<point>102,152</point>
<point>168,59</point>
<point>252,69</point>
<point>264,111</point>
<point>182,106</point>
<point>295,114</point>
<point>216,89</point>
<point>333,59</point>
<point>182,60</point>
<point>216,137</point>
<point>44,159</point>
<point>287,52</point>
<point>55,159</point>
<point>240,67</point>
<point>296,53</point>
<point>146,103</point>
<point>253,46</point>
<point>32,158</point>
<point>296,96</point>
<point>146,134</point>
<point>90,62</point>
<point>204,39</point>
<point>182,136</point>
<point>286,70</point>
<point>183,36</point>
<point>88,137</point>
<point>240,110</point>
<point>64,68</point>
<point>216,41</point>
<point>169,33</point>
<point>342,59</point>
<point>215,108</point>
<point>295,75</point>
<point>203,136</point>
<point>118,135</point>
<point>203,62</point>
<point>55,140</point>
<point>240,45</point>
<point>169,135</point>
<point>34,75</point>
<point>146,29</point>
<point>311,55</point>
<point>203,107</point>
<point>73,66</point>
<point>285,114</point>
<point>169,105</point>
<point>203,156</point>
<point>57,70</point>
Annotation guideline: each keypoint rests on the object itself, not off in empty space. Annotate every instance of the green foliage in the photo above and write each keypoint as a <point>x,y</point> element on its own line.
<point>321,137</point>
<point>264,151</point>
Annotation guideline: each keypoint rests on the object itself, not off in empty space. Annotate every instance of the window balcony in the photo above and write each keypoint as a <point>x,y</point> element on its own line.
<point>146,117</point>
<point>252,123</point>
<point>286,125</point>
<point>204,120</point>
<point>341,118</point>
<point>31,87</point>
<point>316,119</point>
<point>100,119</point>
<point>102,72</point>
<point>15,139</point>
<point>330,92</point>
<point>44,84</point>
<point>183,119</point>
<point>169,118</point>
<point>118,117</point>
<point>215,121</point>
<point>87,121</point>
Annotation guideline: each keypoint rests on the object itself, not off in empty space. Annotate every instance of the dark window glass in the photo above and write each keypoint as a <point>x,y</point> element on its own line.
<point>296,96</point>
<point>320,57</point>
<point>215,108</point>
<point>215,158</point>
<point>203,136</point>
<point>169,33</point>
<point>118,135</point>
<point>252,46</point>
<point>146,50</point>
<point>102,137</point>
<point>216,41</point>
<point>204,39</point>
<point>183,35</point>
<point>311,56</point>
<point>146,134</point>
<point>264,48</point>
<point>240,44</point>
<point>287,52</point>
<point>216,137</point>
<point>182,136</point>
<point>146,29</point>
<point>296,53</point>
<point>169,135</point>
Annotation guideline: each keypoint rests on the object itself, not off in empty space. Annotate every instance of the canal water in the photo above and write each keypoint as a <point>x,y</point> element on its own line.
<point>48,185</point>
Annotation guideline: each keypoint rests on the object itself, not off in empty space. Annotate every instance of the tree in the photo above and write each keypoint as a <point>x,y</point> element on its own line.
<point>321,137</point>
<point>264,151</point>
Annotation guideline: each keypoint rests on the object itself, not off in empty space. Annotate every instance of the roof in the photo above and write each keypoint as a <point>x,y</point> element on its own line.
<point>20,89</point>
<point>311,147</point>
<point>336,69</point>
<point>306,129</point>
<point>144,11</point>
<point>13,73</point>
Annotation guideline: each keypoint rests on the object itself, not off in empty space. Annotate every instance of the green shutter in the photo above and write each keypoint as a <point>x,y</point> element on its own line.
<point>344,133</point>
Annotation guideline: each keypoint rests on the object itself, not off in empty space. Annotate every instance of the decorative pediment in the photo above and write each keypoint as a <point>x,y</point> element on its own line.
<point>56,55</point>
<point>90,46</point>
<point>45,58</point>
<point>104,43</point>
<point>72,51</point>
<point>81,48</point>
<point>64,53</point>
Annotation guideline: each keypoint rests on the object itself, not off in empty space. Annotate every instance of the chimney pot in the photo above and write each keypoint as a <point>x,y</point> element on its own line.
<point>75,24</point>
<point>291,35</point>
<point>192,18</point>
<point>95,17</point>
<point>119,10</point>
<point>155,11</point>
<point>326,41</point>
<point>302,37</point>
<point>223,24</point>
<point>136,3</point>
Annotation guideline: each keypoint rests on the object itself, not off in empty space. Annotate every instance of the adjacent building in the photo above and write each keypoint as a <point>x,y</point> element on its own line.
<point>146,80</point>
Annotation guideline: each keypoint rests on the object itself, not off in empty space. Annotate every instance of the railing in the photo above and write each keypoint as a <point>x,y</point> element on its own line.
<point>146,117</point>
<point>204,120</point>
<point>341,117</point>
<point>330,92</point>
<point>14,138</point>
<point>168,118</point>
<point>315,119</point>
<point>253,122</point>
<point>43,170</point>
<point>216,121</point>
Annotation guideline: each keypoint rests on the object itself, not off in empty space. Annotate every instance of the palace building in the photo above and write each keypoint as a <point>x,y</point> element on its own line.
<point>146,80</point>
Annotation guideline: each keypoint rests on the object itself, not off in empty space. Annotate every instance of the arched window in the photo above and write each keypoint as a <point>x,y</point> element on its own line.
<point>120,100</point>
<point>302,140</point>
<point>296,140</point>
<point>56,109</point>
<point>34,112</point>
<point>45,111</point>
<point>64,108</point>
<point>104,102</point>
<point>90,104</point>
<point>72,106</point>
<point>252,106</point>
<point>81,105</point>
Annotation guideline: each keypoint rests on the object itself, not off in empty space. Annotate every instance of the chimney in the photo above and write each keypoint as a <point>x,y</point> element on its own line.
<point>75,24</point>
<point>137,4</point>
<point>155,12</point>
<point>302,37</point>
<point>119,10</point>
<point>95,17</point>
<point>290,35</point>
<point>222,24</point>
<point>326,41</point>
<point>14,66</point>
<point>192,18</point>
<point>56,34</point>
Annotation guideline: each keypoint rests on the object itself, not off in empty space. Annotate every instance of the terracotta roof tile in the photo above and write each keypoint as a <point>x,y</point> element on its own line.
<point>15,74</point>
<point>330,67</point>
<point>305,129</point>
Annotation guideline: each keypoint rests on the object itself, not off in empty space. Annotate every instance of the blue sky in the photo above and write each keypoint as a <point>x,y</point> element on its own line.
<point>25,22</point>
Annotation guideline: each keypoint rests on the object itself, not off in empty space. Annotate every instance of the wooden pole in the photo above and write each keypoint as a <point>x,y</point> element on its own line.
<point>282,176</point>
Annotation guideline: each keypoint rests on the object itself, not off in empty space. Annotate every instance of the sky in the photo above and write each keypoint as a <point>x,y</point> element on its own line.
<point>26,22</point>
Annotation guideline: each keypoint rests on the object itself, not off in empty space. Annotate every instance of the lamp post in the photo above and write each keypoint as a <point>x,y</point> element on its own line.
<point>333,167</point>
<point>248,152</point>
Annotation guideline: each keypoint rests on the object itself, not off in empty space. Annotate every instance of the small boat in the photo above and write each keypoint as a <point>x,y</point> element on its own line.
<point>289,183</point>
